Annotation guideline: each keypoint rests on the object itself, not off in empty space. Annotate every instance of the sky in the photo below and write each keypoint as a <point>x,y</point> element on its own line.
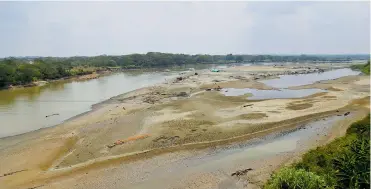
<point>116,28</point>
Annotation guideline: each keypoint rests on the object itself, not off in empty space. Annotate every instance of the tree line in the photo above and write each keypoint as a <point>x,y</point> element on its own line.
<point>365,68</point>
<point>18,71</point>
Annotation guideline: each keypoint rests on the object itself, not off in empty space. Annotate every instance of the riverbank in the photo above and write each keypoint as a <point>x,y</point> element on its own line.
<point>343,163</point>
<point>186,113</point>
<point>84,77</point>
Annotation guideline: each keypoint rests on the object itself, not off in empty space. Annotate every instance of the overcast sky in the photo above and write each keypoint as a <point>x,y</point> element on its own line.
<point>94,28</point>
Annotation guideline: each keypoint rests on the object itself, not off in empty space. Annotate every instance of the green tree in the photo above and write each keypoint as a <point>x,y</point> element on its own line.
<point>229,57</point>
<point>7,74</point>
<point>27,73</point>
<point>239,58</point>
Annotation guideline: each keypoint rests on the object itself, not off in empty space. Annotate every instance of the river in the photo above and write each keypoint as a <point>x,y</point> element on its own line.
<point>28,109</point>
<point>25,109</point>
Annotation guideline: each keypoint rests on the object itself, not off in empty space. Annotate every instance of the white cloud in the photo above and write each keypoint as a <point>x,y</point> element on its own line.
<point>300,27</point>
<point>91,28</point>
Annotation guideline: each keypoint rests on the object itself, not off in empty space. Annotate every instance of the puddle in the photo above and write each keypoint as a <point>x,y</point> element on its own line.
<point>305,79</point>
<point>270,94</point>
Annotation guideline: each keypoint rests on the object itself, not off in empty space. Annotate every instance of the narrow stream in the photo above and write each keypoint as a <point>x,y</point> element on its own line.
<point>222,161</point>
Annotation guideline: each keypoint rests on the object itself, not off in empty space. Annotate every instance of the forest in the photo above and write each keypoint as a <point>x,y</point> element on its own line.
<point>23,70</point>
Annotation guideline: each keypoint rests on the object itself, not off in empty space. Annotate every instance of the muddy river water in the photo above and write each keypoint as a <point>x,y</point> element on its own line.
<point>26,109</point>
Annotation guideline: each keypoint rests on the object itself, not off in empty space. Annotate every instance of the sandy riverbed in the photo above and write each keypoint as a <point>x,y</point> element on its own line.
<point>176,115</point>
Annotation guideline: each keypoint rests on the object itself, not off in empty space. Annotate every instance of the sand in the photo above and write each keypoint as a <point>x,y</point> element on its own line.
<point>177,115</point>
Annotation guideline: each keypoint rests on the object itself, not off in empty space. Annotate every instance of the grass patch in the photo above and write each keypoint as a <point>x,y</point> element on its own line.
<point>344,163</point>
<point>296,178</point>
<point>299,106</point>
<point>365,68</point>
<point>252,116</point>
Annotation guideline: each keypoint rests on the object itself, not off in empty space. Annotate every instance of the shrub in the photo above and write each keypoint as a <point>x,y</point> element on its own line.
<point>291,178</point>
<point>353,166</point>
<point>361,128</point>
<point>344,163</point>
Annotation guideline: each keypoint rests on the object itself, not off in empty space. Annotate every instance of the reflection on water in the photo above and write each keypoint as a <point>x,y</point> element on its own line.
<point>305,79</point>
<point>28,93</point>
<point>270,94</point>
<point>25,109</point>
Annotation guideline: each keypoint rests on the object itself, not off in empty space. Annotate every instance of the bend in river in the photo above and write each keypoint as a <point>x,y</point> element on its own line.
<point>32,108</point>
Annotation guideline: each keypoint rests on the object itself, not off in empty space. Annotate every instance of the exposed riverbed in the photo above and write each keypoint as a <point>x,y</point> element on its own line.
<point>182,130</point>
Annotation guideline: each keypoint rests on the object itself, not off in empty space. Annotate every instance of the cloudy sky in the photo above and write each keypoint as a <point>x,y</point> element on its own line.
<point>94,28</point>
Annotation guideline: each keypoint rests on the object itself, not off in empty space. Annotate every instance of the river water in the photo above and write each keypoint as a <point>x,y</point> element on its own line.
<point>305,79</point>
<point>23,110</point>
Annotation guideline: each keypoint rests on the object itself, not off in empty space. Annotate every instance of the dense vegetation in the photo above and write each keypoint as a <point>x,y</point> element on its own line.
<point>363,68</point>
<point>16,71</point>
<point>344,163</point>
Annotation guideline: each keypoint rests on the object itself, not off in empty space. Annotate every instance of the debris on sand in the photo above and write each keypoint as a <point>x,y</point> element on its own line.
<point>36,187</point>
<point>208,89</point>
<point>247,105</point>
<point>7,174</point>
<point>132,138</point>
<point>179,78</point>
<point>346,113</point>
<point>151,99</point>
<point>183,94</point>
<point>51,115</point>
<point>164,139</point>
<point>218,88</point>
<point>196,73</point>
<point>241,172</point>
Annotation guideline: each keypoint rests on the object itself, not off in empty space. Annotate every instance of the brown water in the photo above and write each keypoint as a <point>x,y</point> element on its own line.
<point>23,110</point>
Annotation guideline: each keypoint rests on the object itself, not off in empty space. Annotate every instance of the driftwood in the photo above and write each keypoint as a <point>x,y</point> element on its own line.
<point>51,115</point>
<point>7,174</point>
<point>241,172</point>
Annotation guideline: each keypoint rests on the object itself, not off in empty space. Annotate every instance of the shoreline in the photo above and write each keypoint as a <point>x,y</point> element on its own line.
<point>108,72</point>
<point>80,169</point>
<point>282,128</point>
